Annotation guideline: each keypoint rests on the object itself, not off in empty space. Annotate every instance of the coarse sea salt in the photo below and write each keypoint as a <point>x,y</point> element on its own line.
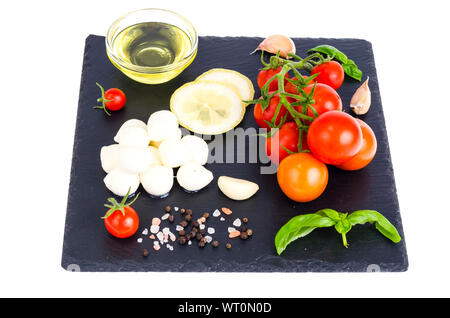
<point>237,222</point>
<point>216,213</point>
<point>231,229</point>
<point>154,229</point>
<point>139,240</point>
<point>160,236</point>
<point>166,230</point>
<point>222,219</point>
<point>179,228</point>
<point>208,239</point>
<point>175,208</point>
<point>211,230</point>
<point>145,231</point>
<point>189,243</point>
<point>165,216</point>
<point>202,226</point>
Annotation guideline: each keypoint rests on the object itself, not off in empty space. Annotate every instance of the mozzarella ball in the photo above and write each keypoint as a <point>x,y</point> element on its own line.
<point>135,159</point>
<point>130,123</point>
<point>157,180</point>
<point>173,134</point>
<point>134,136</point>
<point>172,153</point>
<point>109,157</point>
<point>161,124</point>
<point>119,182</point>
<point>197,149</point>
<point>193,177</point>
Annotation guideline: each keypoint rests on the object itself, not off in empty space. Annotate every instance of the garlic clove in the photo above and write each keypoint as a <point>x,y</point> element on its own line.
<point>237,189</point>
<point>277,42</point>
<point>361,100</point>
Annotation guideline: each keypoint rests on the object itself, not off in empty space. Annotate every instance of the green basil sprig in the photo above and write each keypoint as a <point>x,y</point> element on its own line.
<point>348,65</point>
<point>301,225</point>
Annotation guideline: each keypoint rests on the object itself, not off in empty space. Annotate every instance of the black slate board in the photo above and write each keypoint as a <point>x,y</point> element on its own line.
<point>88,247</point>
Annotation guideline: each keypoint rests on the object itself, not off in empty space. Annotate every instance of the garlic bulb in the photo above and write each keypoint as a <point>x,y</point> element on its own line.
<point>277,42</point>
<point>360,102</point>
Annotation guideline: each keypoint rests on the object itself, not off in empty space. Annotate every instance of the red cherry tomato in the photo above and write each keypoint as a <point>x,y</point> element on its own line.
<point>121,220</point>
<point>265,75</point>
<point>302,177</point>
<point>120,225</point>
<point>325,99</point>
<point>334,137</point>
<point>267,115</point>
<point>367,151</point>
<point>285,138</point>
<point>116,99</point>
<point>330,73</point>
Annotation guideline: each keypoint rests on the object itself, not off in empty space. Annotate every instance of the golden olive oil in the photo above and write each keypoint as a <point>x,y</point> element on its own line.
<point>153,44</point>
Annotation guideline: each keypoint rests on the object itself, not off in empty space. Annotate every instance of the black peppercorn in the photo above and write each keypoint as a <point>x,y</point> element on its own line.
<point>244,235</point>
<point>167,208</point>
<point>201,244</point>
<point>182,240</point>
<point>189,211</point>
<point>245,220</point>
<point>228,246</point>
<point>215,243</point>
<point>183,223</point>
<point>171,218</point>
<point>145,253</point>
<point>188,217</point>
<point>182,233</point>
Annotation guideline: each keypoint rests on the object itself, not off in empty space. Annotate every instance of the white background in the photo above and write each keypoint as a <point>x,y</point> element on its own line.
<point>41,52</point>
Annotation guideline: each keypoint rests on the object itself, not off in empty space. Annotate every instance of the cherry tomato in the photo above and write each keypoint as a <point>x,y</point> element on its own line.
<point>334,137</point>
<point>267,115</point>
<point>302,177</point>
<point>265,75</point>
<point>116,99</point>
<point>285,137</point>
<point>325,99</point>
<point>330,73</point>
<point>367,151</point>
<point>120,225</point>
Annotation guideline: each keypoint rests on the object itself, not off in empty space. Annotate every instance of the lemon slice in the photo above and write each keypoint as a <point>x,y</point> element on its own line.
<point>240,82</point>
<point>207,108</point>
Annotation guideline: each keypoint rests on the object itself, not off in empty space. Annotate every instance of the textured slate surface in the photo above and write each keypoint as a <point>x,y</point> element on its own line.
<point>88,247</point>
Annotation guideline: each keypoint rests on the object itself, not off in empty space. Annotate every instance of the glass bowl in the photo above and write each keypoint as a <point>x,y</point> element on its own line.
<point>118,43</point>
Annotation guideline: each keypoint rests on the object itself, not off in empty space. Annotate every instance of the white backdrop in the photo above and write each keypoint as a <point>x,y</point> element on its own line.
<point>41,51</point>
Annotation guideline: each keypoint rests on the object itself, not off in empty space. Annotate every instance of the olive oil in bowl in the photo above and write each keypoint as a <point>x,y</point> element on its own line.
<point>152,52</point>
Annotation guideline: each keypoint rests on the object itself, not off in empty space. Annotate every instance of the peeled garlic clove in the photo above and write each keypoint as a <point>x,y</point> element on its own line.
<point>361,100</point>
<point>134,159</point>
<point>109,157</point>
<point>197,149</point>
<point>161,124</point>
<point>193,177</point>
<point>134,136</point>
<point>157,180</point>
<point>237,189</point>
<point>172,153</point>
<point>119,181</point>
<point>129,123</point>
<point>277,42</point>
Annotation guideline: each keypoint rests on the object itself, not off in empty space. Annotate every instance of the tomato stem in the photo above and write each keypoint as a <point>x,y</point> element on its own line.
<point>102,100</point>
<point>115,206</point>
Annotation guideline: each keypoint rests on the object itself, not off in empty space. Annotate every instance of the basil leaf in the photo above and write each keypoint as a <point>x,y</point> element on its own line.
<point>348,65</point>
<point>332,214</point>
<point>381,223</point>
<point>299,226</point>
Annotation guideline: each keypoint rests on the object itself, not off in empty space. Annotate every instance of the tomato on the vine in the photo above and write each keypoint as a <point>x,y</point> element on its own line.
<point>265,75</point>
<point>284,142</point>
<point>334,137</point>
<point>262,116</point>
<point>330,73</point>
<point>113,99</point>
<point>325,99</point>
<point>121,220</point>
<point>291,88</point>
<point>367,151</point>
<point>302,177</point>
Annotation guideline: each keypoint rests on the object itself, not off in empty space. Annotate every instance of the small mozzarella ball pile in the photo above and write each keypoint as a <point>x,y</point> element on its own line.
<point>147,154</point>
